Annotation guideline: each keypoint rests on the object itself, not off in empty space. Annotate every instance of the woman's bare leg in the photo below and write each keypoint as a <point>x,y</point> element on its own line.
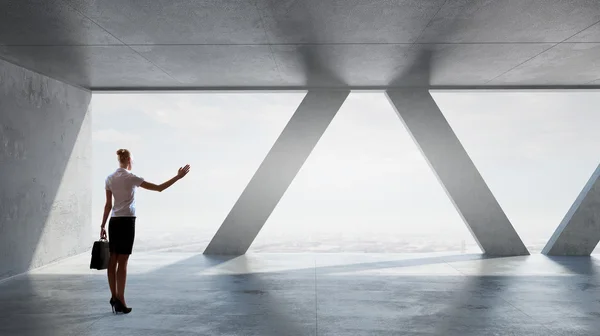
<point>112,275</point>
<point>121,276</point>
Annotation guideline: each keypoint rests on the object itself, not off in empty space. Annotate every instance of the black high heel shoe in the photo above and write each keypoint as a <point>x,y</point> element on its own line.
<point>112,304</point>
<point>121,308</point>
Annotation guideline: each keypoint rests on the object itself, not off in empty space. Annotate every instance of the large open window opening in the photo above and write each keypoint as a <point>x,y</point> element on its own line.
<point>365,187</point>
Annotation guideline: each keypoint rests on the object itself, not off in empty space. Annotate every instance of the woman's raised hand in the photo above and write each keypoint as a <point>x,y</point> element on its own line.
<point>183,171</point>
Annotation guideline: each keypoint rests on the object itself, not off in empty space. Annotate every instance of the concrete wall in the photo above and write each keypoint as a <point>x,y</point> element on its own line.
<point>45,170</point>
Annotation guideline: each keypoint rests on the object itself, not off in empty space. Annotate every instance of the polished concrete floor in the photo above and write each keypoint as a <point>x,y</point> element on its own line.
<point>311,294</point>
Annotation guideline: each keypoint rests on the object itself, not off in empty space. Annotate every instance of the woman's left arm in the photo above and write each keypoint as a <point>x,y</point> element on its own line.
<point>107,208</point>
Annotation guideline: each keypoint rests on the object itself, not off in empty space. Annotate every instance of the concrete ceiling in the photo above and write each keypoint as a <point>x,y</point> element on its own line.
<point>212,44</point>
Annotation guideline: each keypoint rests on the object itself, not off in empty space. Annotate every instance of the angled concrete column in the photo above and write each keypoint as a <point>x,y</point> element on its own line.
<point>277,171</point>
<point>456,172</point>
<point>579,232</point>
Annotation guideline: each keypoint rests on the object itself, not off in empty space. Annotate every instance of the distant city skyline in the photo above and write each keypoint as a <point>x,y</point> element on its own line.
<point>365,186</point>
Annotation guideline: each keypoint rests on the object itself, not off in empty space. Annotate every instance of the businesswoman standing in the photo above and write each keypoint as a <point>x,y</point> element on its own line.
<point>121,186</point>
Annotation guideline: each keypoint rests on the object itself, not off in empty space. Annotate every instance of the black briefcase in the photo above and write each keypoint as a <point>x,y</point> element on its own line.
<point>100,255</point>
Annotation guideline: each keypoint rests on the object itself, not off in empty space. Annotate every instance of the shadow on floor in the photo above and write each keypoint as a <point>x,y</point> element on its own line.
<point>580,265</point>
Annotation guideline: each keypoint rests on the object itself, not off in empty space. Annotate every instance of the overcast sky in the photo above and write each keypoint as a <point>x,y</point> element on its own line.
<point>366,181</point>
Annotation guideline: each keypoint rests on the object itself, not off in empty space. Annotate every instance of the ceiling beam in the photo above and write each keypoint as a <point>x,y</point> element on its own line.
<point>232,89</point>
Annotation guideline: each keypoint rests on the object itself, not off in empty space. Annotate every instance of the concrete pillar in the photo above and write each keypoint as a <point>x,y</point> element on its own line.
<point>277,171</point>
<point>45,170</point>
<point>456,172</point>
<point>579,232</point>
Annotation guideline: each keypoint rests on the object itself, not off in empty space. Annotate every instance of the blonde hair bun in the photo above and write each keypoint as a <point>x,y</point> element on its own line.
<point>123,155</point>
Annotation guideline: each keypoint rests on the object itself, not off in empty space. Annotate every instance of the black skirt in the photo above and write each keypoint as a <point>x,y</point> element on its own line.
<point>121,233</point>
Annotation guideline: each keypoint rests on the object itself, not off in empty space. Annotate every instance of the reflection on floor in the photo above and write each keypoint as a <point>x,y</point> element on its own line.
<point>311,294</point>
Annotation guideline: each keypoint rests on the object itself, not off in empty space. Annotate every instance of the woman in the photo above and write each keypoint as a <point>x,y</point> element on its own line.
<point>121,229</point>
